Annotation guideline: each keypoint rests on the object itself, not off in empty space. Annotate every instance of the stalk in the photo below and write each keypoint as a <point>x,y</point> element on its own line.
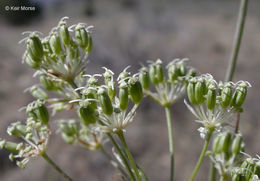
<point>170,137</point>
<point>202,155</point>
<point>212,174</point>
<point>56,167</point>
<point>237,40</point>
<point>113,162</point>
<point>129,155</point>
<point>121,156</point>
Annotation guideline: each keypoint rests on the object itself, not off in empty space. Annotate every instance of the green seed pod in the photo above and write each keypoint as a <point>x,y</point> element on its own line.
<point>105,102</point>
<point>215,144</point>
<point>173,72</point>
<point>90,44</point>
<point>17,130</point>
<point>55,43</point>
<point>64,33</point>
<point>159,71</point>
<point>226,95</point>
<point>144,78</point>
<point>211,97</point>
<point>42,112</point>
<point>182,69</point>
<point>152,74</point>
<point>240,97</point>
<point>47,83</point>
<point>81,36</point>
<point>38,93</point>
<point>225,142</point>
<point>237,144</point>
<point>238,175</point>
<point>90,94</point>
<point>257,169</point>
<point>68,139</point>
<point>191,72</point>
<point>191,91</point>
<point>46,46</point>
<point>9,146</point>
<point>135,90</point>
<point>200,91</point>
<point>32,63</point>
<point>111,90</point>
<point>87,114</point>
<point>123,96</point>
<point>248,166</point>
<point>34,48</point>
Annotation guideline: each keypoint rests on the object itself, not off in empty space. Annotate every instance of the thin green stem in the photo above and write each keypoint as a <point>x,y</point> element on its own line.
<point>202,155</point>
<point>56,167</point>
<point>237,39</point>
<point>113,162</point>
<point>212,173</point>
<point>118,149</point>
<point>129,155</point>
<point>170,137</point>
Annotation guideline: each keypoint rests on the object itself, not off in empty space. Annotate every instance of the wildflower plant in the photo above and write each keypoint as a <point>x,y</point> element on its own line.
<point>106,105</point>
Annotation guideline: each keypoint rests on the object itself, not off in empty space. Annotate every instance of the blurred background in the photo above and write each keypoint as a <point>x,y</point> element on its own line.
<point>130,32</point>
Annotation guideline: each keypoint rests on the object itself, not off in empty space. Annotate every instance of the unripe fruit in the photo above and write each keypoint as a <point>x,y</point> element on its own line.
<point>135,90</point>
<point>152,74</point>
<point>105,102</point>
<point>34,48</point>
<point>81,36</point>
<point>236,145</point>
<point>200,91</point>
<point>226,95</point>
<point>191,91</point>
<point>64,34</point>
<point>144,78</point>
<point>87,114</point>
<point>55,43</point>
<point>211,97</point>
<point>9,146</point>
<point>123,97</point>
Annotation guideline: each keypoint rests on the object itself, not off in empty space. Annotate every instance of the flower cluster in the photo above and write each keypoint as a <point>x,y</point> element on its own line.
<point>167,89</point>
<point>214,103</point>
<point>34,133</point>
<point>105,107</point>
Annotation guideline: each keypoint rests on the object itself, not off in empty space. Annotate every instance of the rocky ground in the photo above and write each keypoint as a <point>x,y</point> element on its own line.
<point>200,30</point>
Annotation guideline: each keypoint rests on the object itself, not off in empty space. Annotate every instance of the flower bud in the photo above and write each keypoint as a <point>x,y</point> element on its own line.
<point>226,95</point>
<point>64,33</point>
<point>191,91</point>
<point>9,146</point>
<point>225,142</point>
<point>237,144</point>
<point>135,90</point>
<point>55,43</point>
<point>240,95</point>
<point>46,46</point>
<point>159,71</point>
<point>38,93</point>
<point>34,48</point>
<point>105,102</point>
<point>211,96</point>
<point>87,114</point>
<point>42,112</point>
<point>200,91</point>
<point>144,78</point>
<point>17,129</point>
<point>123,96</point>
<point>191,72</point>
<point>81,36</point>
<point>68,139</point>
